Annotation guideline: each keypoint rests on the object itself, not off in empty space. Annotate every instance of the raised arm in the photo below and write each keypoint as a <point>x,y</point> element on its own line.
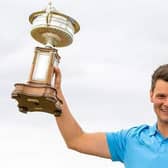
<point>74,136</point>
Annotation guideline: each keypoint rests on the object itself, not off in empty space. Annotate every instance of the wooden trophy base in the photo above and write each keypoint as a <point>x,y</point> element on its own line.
<point>35,97</point>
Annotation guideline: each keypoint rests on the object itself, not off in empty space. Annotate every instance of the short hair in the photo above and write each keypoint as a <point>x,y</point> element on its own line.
<point>160,73</point>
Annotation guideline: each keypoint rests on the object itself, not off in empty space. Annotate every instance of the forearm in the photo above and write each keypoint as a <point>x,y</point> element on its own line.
<point>74,136</point>
<point>68,126</point>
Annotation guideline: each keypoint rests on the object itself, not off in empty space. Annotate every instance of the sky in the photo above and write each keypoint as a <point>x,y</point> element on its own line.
<point>106,75</point>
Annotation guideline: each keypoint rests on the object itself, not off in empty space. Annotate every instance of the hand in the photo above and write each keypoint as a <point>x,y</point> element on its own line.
<point>57,83</point>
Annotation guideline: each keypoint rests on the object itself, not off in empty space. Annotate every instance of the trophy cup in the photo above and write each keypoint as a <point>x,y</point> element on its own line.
<point>52,29</point>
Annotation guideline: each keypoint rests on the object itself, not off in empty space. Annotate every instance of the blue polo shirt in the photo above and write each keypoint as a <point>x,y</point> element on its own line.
<point>139,147</point>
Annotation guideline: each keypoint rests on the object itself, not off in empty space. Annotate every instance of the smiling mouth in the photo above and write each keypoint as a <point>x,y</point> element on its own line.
<point>164,110</point>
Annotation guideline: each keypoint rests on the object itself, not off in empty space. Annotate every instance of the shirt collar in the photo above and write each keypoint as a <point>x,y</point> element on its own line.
<point>153,130</point>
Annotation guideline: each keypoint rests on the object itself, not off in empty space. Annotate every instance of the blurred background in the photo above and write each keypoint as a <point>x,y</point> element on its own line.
<point>106,76</point>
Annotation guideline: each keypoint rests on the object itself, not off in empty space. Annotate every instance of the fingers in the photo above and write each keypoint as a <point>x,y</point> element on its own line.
<point>57,73</point>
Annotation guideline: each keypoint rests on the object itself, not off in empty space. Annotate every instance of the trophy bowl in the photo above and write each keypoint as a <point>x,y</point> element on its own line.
<point>53,28</point>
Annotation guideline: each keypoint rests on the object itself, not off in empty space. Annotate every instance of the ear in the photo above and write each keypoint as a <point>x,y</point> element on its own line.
<point>151,96</point>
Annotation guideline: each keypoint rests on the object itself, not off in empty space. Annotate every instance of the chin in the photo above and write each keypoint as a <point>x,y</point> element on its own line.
<point>163,121</point>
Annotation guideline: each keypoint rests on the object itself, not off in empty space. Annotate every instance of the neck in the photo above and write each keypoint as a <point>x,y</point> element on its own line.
<point>163,128</point>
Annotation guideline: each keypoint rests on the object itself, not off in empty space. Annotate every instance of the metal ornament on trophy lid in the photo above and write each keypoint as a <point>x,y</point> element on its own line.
<point>53,29</point>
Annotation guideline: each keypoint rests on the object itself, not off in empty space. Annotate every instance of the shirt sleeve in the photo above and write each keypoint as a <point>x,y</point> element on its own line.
<point>116,143</point>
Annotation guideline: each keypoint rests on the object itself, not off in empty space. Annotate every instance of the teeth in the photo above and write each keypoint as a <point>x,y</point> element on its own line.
<point>164,110</point>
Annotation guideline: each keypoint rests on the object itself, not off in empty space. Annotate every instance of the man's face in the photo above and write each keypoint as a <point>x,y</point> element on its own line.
<point>159,98</point>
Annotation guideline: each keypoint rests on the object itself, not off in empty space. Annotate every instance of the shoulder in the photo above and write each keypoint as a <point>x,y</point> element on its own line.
<point>137,130</point>
<point>129,132</point>
<point>125,134</point>
<point>137,133</point>
<point>117,141</point>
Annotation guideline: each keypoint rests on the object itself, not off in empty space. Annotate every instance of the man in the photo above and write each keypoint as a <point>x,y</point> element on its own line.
<point>138,147</point>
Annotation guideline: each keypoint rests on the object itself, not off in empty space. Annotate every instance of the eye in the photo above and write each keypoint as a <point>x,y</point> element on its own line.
<point>161,96</point>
